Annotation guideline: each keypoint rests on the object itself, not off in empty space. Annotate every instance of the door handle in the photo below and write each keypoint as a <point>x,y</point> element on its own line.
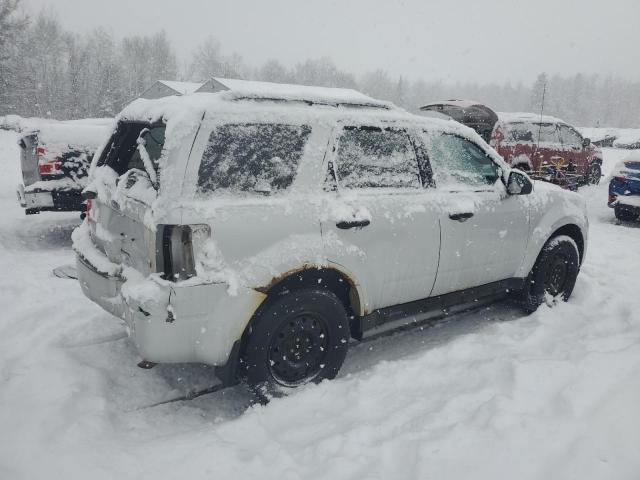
<point>461,217</point>
<point>353,224</point>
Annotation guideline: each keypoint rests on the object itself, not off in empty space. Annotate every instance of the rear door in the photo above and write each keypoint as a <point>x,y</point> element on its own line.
<point>380,223</point>
<point>484,230</point>
<point>548,147</point>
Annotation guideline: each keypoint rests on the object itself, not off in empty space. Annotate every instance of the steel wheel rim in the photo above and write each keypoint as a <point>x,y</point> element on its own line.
<point>556,275</point>
<point>298,349</point>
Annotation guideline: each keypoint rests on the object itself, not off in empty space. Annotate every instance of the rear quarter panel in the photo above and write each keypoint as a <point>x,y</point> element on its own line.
<point>256,239</point>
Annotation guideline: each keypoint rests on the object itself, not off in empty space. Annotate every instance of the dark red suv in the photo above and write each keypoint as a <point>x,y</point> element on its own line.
<point>544,146</point>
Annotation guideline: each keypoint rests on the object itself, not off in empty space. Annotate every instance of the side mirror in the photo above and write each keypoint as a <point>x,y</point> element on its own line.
<point>586,142</point>
<point>519,183</point>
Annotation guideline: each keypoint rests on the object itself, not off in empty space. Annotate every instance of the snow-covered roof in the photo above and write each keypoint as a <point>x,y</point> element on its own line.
<point>181,88</point>
<point>512,117</point>
<point>283,91</point>
<point>27,124</point>
<point>79,134</point>
<point>183,114</point>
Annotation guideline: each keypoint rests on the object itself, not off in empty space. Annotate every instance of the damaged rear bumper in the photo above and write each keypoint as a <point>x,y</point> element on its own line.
<point>170,322</point>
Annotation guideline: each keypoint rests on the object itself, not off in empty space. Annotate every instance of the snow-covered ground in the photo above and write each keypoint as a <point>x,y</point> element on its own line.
<point>487,394</point>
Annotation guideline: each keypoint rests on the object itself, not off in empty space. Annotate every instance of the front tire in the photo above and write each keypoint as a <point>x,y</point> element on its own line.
<point>554,274</point>
<point>625,214</point>
<point>298,338</point>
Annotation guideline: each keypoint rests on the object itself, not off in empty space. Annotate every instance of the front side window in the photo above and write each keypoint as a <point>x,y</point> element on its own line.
<point>259,158</point>
<point>371,157</point>
<point>570,138</point>
<point>457,161</point>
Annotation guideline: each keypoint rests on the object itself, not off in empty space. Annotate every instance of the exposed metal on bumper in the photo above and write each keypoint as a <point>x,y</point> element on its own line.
<point>193,323</point>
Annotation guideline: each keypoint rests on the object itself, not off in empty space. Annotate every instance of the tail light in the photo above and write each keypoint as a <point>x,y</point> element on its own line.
<point>177,253</point>
<point>46,165</point>
<point>87,211</point>
<point>620,179</point>
<point>612,199</point>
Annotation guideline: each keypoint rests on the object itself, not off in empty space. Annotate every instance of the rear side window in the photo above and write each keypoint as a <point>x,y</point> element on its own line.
<point>457,161</point>
<point>374,157</point>
<point>261,158</point>
<point>518,133</point>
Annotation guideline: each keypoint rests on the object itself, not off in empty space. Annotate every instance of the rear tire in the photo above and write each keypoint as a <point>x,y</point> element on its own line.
<point>298,338</point>
<point>625,214</point>
<point>554,274</point>
<point>594,174</point>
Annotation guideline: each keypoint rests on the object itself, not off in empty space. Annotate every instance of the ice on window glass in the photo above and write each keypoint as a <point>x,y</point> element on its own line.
<point>260,158</point>
<point>369,157</point>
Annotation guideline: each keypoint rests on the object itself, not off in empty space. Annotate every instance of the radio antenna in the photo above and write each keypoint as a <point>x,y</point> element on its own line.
<point>544,91</point>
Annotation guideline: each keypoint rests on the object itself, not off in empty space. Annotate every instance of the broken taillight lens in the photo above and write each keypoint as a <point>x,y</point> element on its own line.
<point>177,253</point>
<point>177,259</point>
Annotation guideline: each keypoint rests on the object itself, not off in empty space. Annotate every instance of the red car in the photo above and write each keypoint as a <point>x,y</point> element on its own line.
<point>546,147</point>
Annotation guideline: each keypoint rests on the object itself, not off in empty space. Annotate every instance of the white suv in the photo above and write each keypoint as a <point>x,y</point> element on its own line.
<point>260,229</point>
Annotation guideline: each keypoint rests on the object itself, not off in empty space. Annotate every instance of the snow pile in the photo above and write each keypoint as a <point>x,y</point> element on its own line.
<point>329,95</point>
<point>627,138</point>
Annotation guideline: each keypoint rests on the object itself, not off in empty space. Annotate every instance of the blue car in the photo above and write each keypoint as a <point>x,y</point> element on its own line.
<point>624,189</point>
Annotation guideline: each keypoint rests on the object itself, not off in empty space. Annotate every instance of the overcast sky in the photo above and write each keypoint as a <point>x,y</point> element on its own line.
<point>454,40</point>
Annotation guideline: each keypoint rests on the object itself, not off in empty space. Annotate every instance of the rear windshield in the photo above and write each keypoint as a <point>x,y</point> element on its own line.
<point>135,146</point>
<point>261,158</point>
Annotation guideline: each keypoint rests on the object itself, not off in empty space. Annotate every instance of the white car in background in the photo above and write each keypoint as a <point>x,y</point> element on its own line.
<point>259,229</point>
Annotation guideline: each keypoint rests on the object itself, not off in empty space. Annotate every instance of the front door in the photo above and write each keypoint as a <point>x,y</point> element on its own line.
<point>484,230</point>
<point>380,223</point>
<point>548,148</point>
<point>574,151</point>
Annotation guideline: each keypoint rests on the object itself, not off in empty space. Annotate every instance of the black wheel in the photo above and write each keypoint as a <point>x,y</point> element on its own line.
<point>625,214</point>
<point>594,174</point>
<point>298,338</point>
<point>554,273</point>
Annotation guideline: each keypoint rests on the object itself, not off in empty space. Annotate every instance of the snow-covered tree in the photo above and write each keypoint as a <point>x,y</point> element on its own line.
<point>12,24</point>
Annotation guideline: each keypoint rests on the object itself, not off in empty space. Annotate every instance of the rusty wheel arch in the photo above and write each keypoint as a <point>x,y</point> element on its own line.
<point>313,276</point>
